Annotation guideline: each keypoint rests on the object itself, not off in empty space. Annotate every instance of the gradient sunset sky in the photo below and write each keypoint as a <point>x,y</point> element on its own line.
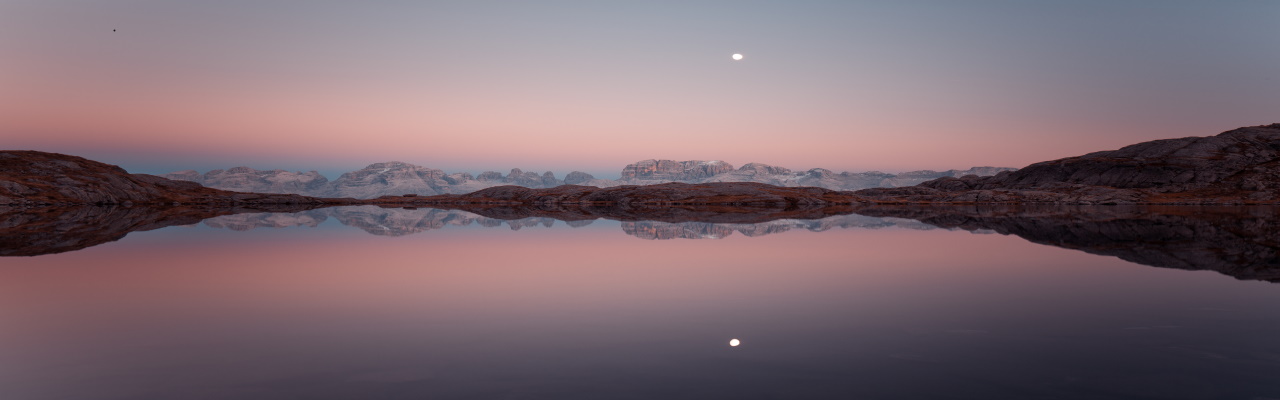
<point>595,85</point>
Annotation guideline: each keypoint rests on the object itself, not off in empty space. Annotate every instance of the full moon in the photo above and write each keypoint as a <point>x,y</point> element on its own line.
<point>735,342</point>
<point>737,57</point>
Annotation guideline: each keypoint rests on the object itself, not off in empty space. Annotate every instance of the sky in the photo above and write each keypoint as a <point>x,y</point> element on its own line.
<point>160,86</point>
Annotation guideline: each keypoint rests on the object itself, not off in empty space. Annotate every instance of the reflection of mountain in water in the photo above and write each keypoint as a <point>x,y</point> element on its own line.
<point>1242,241</point>
<point>400,221</point>
<point>244,222</point>
<point>378,220</point>
<point>709,230</point>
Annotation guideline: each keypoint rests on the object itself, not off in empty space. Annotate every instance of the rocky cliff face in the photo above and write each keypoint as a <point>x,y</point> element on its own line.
<point>389,177</point>
<point>1240,165</point>
<point>659,171</point>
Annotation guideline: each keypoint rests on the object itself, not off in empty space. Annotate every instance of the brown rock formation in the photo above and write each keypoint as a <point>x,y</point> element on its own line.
<point>32,178</point>
<point>1237,166</point>
<point>249,180</point>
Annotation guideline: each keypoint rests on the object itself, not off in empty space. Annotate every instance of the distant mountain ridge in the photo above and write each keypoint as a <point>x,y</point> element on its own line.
<point>398,178</point>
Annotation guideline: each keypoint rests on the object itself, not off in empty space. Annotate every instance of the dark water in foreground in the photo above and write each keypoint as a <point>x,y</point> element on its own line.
<point>904,304</point>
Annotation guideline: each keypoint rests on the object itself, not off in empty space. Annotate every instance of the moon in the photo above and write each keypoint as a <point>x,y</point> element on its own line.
<point>737,57</point>
<point>734,342</point>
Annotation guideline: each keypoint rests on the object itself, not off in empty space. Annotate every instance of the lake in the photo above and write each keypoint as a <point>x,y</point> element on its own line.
<point>891,303</point>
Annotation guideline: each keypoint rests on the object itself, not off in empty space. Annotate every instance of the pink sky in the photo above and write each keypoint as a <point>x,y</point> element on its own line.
<point>593,87</point>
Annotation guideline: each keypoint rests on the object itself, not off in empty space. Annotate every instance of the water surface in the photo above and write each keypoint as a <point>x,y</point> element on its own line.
<point>367,302</point>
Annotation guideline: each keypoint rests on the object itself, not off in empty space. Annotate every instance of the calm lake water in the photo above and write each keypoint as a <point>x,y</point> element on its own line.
<point>365,302</point>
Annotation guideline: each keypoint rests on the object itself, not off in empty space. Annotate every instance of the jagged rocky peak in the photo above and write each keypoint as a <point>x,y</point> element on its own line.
<point>390,177</point>
<point>396,167</point>
<point>246,179</point>
<point>763,169</point>
<point>489,176</point>
<point>549,179</point>
<point>458,178</point>
<point>675,170</point>
<point>527,179</point>
<point>577,177</point>
<point>820,173</point>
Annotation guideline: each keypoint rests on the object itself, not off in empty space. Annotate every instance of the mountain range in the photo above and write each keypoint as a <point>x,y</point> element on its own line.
<point>399,178</point>
<point>1240,166</point>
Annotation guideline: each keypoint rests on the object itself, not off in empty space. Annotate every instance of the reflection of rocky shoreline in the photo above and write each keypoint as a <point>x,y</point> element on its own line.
<point>1240,241</point>
<point>36,231</point>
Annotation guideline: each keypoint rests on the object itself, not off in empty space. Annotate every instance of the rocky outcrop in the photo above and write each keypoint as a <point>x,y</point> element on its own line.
<point>1237,166</point>
<point>33,178</point>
